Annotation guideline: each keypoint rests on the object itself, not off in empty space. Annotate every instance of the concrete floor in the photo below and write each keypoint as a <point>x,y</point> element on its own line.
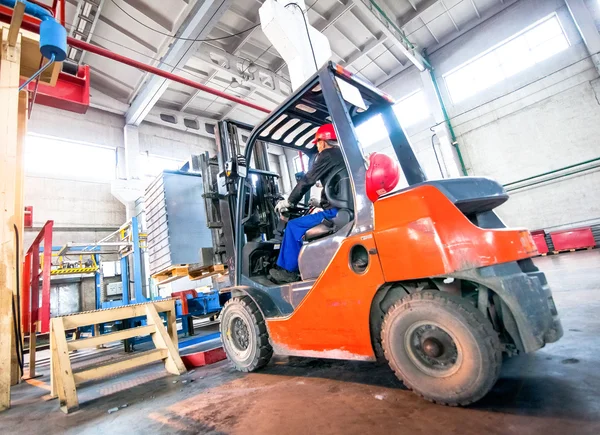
<point>554,391</point>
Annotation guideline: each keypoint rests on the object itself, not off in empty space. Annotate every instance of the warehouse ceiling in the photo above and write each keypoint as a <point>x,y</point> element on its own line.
<point>235,56</point>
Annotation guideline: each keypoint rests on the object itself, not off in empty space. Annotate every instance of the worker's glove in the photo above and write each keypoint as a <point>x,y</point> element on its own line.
<point>282,206</point>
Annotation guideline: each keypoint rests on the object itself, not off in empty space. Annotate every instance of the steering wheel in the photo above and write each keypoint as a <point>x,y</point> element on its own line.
<point>296,211</point>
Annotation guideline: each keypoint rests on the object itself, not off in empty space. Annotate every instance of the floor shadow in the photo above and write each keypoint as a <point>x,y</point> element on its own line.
<point>368,373</point>
<point>541,396</point>
<point>538,395</point>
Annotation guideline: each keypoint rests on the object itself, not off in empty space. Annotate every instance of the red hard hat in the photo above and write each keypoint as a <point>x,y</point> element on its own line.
<point>325,132</point>
<point>382,176</point>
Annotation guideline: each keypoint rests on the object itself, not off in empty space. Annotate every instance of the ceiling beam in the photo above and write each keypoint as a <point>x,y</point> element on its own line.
<point>202,17</point>
<point>386,24</point>
<point>336,14</point>
<point>235,106</point>
<point>128,33</point>
<point>206,125</point>
<point>274,85</point>
<point>144,8</point>
<point>364,50</point>
<point>235,51</point>
<point>417,12</point>
<point>105,102</point>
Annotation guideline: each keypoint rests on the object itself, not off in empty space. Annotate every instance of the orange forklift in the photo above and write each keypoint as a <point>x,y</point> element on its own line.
<point>426,277</point>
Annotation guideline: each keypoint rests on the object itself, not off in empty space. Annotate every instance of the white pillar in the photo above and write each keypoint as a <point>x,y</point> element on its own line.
<point>285,174</point>
<point>584,21</point>
<point>449,157</point>
<point>132,151</point>
<point>129,190</point>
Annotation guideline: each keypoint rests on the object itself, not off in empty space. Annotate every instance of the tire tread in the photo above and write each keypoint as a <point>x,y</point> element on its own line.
<point>474,319</point>
<point>265,351</point>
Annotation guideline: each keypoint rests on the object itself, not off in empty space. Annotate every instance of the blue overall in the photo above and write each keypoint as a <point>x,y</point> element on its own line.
<point>292,237</point>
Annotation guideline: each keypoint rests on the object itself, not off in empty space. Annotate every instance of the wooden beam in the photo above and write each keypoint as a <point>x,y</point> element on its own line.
<point>67,394</point>
<point>32,351</point>
<point>130,363</point>
<point>9,108</point>
<point>111,337</point>
<point>19,217</point>
<point>172,325</point>
<point>15,23</point>
<point>64,380</point>
<point>54,373</point>
<point>162,340</point>
<point>31,58</point>
<point>105,316</point>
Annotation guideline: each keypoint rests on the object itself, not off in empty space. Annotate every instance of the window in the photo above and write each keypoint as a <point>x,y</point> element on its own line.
<point>298,164</point>
<point>49,156</point>
<point>412,109</point>
<point>533,45</point>
<point>371,132</point>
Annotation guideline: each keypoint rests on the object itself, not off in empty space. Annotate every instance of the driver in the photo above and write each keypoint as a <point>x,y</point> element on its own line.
<point>328,161</point>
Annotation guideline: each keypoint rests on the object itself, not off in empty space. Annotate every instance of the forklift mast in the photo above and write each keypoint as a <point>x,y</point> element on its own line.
<point>222,175</point>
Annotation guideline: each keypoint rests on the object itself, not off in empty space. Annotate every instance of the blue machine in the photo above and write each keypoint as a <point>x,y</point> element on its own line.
<point>202,305</point>
<point>199,305</point>
<point>132,233</point>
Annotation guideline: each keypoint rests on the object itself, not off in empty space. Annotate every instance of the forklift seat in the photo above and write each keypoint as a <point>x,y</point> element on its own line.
<point>339,194</point>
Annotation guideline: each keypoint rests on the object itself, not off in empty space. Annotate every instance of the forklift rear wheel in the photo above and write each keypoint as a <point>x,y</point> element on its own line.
<point>441,347</point>
<point>244,334</point>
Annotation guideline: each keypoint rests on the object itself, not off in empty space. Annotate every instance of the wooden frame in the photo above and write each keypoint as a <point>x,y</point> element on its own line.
<point>31,59</point>
<point>20,58</point>
<point>10,64</point>
<point>64,380</point>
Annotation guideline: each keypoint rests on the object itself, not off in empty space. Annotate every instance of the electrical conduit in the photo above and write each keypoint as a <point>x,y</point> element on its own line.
<point>534,179</point>
<point>448,123</point>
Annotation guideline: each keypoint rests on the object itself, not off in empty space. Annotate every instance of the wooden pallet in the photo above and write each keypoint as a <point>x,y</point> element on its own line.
<point>191,271</point>
<point>64,380</point>
<point>567,250</point>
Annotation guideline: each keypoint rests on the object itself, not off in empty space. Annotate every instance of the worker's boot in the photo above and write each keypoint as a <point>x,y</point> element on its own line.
<point>282,276</point>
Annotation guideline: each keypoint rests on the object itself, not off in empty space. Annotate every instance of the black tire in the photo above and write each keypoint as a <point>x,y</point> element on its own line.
<point>441,347</point>
<point>244,335</point>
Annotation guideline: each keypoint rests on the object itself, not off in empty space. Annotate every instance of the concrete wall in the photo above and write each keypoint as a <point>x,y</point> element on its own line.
<point>82,210</point>
<point>85,210</point>
<point>167,142</point>
<point>540,120</point>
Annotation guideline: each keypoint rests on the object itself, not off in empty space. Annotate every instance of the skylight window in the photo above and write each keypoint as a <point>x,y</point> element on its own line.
<point>521,51</point>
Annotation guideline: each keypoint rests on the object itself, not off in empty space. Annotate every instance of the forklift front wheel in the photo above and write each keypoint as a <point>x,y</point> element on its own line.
<point>244,335</point>
<point>441,347</point>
